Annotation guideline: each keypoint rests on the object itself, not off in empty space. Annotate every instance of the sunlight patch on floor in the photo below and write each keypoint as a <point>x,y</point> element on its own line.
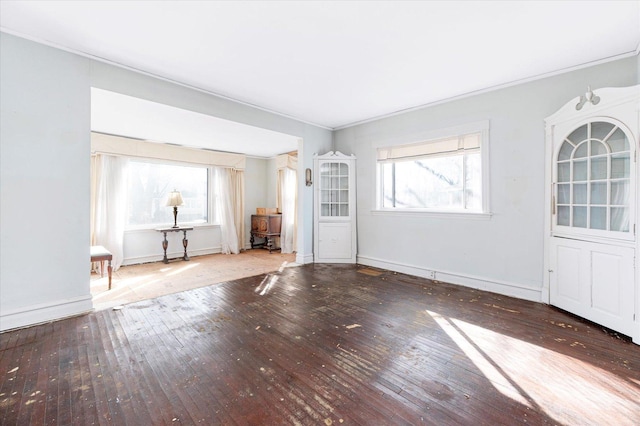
<point>267,283</point>
<point>562,386</point>
<point>185,268</point>
<point>491,371</point>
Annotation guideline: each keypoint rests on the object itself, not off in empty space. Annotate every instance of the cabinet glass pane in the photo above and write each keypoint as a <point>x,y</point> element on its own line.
<point>564,190</point>
<point>600,130</point>
<point>344,209</point>
<point>564,172</point>
<point>580,217</point>
<point>565,151</point>
<point>563,215</point>
<point>598,168</point>
<point>618,141</point>
<point>344,196</point>
<point>619,166</point>
<point>580,170</point>
<point>344,182</point>
<point>598,148</point>
<point>581,151</point>
<point>578,135</point>
<point>619,193</point>
<point>344,169</point>
<point>619,219</point>
<point>579,193</point>
<point>324,210</point>
<point>598,218</point>
<point>599,193</point>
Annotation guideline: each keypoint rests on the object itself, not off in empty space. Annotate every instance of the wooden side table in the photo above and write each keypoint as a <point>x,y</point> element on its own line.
<point>267,227</point>
<point>165,243</point>
<point>100,254</point>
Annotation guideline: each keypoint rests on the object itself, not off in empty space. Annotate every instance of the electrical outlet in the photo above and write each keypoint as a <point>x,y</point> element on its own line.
<point>431,275</point>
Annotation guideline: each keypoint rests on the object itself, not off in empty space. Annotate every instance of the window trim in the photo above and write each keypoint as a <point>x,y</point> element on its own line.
<point>481,127</point>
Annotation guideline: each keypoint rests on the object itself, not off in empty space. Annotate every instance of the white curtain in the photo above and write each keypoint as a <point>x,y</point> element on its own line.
<point>287,202</point>
<point>229,205</point>
<point>237,182</point>
<point>109,204</point>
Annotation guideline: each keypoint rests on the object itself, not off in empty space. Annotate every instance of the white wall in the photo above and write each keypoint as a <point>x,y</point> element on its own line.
<point>45,151</point>
<point>44,176</point>
<point>271,199</point>
<point>256,190</point>
<point>504,253</point>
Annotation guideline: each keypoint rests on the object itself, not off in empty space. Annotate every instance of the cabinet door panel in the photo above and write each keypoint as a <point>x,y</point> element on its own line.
<point>334,240</point>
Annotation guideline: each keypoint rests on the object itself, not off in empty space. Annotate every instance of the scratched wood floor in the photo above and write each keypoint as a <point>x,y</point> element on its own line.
<point>321,345</point>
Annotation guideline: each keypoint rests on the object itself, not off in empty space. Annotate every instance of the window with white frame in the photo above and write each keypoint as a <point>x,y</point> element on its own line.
<point>149,185</point>
<point>441,174</point>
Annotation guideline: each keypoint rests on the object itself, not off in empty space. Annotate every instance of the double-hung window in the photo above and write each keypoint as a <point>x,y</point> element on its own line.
<point>444,174</point>
<point>149,185</point>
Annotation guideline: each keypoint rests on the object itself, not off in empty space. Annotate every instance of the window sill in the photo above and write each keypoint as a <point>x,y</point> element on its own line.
<point>433,214</point>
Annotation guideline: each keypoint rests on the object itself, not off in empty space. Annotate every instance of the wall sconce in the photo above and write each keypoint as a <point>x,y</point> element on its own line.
<point>174,200</point>
<point>307,176</point>
<point>588,97</point>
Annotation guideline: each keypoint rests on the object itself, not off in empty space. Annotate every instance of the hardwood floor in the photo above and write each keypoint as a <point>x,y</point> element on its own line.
<point>134,283</point>
<point>321,345</point>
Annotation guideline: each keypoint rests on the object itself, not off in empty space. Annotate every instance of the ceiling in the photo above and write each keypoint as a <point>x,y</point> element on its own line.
<point>334,63</point>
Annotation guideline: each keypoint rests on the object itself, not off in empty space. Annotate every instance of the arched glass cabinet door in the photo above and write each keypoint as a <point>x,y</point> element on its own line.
<point>594,182</point>
<point>334,189</point>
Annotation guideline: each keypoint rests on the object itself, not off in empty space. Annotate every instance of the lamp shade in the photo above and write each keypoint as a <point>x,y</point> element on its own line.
<point>175,199</point>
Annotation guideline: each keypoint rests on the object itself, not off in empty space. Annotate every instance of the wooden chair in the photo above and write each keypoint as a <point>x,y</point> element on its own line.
<point>100,254</point>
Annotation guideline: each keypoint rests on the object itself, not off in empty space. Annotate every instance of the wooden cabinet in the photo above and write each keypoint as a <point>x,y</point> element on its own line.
<point>266,227</point>
<point>335,208</point>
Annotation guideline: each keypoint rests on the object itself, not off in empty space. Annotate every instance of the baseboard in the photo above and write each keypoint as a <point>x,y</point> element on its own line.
<point>173,255</point>
<point>45,312</point>
<point>303,259</point>
<point>520,291</point>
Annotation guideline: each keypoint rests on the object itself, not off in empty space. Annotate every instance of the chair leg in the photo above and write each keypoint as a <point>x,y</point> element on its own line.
<point>109,269</point>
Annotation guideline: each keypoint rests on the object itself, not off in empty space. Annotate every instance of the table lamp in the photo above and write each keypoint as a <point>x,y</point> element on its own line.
<point>175,200</point>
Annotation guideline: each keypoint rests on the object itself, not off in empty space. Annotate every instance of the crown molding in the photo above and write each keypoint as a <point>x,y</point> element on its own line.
<point>494,88</point>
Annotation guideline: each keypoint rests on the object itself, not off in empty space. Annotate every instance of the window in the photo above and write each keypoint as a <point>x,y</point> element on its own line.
<point>444,174</point>
<point>149,185</point>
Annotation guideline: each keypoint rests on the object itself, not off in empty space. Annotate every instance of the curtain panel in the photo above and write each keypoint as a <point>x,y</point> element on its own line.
<point>287,201</point>
<point>229,203</point>
<point>109,204</point>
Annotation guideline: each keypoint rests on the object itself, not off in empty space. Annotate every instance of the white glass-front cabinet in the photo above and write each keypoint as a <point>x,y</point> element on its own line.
<point>591,208</point>
<point>335,208</point>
